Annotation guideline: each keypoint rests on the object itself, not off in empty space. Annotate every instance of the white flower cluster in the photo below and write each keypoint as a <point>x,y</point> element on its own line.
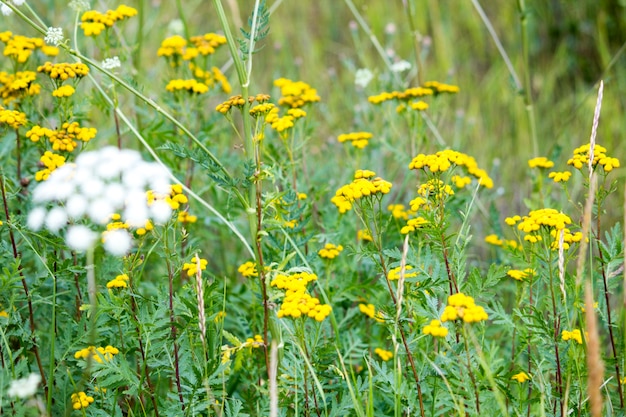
<point>54,36</point>
<point>99,184</point>
<point>111,63</point>
<point>24,387</point>
<point>6,10</point>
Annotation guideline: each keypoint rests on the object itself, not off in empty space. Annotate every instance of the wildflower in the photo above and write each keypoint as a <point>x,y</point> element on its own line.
<point>581,156</point>
<point>54,36</point>
<point>97,184</point>
<point>358,139</point>
<point>297,302</point>
<point>519,274</point>
<point>281,124</point>
<point>413,224</point>
<point>295,93</point>
<point>370,311</point>
<point>440,88</point>
<point>364,235</point>
<point>563,176</point>
<point>521,377</point>
<point>435,329</point>
<point>64,91</point>
<point>398,211</point>
<point>94,22</point>
<point>493,239</point>
<point>540,162</point>
<point>255,342</point>
<point>394,274</point>
<point>512,221</point>
<point>219,316</point>
<point>111,63</point>
<point>192,267</point>
<point>442,161</point>
<point>248,269</point>
<point>463,307</point>
<point>6,10</point>
<point>419,105</point>
<point>400,66</point>
<point>3,313</point>
<point>172,46</point>
<point>574,335</point>
<point>190,85</point>
<point>362,77</point>
<point>302,196</point>
<point>363,185</point>
<point>384,354</point>
<point>81,400</point>
<point>12,118</point>
<point>207,44</point>
<point>120,281</point>
<point>185,217</point>
<point>24,387</point>
<point>330,251</point>
<point>98,354</point>
<point>64,71</point>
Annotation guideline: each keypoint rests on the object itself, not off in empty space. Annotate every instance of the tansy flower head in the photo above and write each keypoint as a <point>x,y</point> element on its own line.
<point>330,251</point>
<point>81,400</point>
<point>540,162</point>
<point>574,335</point>
<point>248,269</point>
<point>370,311</point>
<point>463,307</point>
<point>582,154</point>
<point>563,176</point>
<point>358,139</point>
<point>442,161</point>
<point>521,377</point>
<point>120,281</point>
<point>435,329</point>
<point>362,186</point>
<point>394,274</point>
<point>385,355</point>
<point>295,93</point>
<point>413,224</point>
<point>192,267</point>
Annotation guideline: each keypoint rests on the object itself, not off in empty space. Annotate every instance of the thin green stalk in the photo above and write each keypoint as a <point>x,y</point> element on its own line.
<point>528,98</point>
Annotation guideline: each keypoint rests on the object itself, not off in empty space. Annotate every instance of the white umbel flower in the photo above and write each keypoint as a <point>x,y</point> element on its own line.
<point>54,36</point>
<point>99,184</point>
<point>24,387</point>
<point>400,66</point>
<point>111,63</point>
<point>363,77</point>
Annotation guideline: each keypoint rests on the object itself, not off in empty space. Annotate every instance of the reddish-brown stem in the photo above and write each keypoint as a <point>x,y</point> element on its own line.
<point>173,333</point>
<point>18,159</point>
<point>31,314</point>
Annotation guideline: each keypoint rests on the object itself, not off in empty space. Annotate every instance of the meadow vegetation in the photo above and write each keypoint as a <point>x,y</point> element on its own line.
<point>324,208</point>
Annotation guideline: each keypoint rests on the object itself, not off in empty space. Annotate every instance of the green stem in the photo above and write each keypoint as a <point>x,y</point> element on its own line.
<point>528,98</point>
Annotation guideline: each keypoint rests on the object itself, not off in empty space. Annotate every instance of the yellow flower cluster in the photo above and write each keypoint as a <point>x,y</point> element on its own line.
<point>441,88</point>
<point>413,224</point>
<point>493,239</point>
<point>185,217</point>
<point>116,223</point>
<point>261,109</point>
<point>295,93</point>
<point>519,274</point>
<point>548,218</point>
<point>120,281</point>
<point>175,199</point>
<point>394,274</point>
<point>248,269</point>
<point>212,77</point>
<point>64,71</point>
<point>364,235</point>
<point>255,342</point>
<point>81,400</point>
<point>279,124</point>
<point>358,139</point>
<point>568,238</point>
<point>521,377</point>
<point>435,329</point>
<point>172,46</point>
<point>384,354</point>
<point>574,335</point>
<point>363,185</point>
<point>581,158</point>
<point>143,230</point>
<point>63,139</point>
<point>64,91</point>
<point>20,84</point>
<point>444,160</point>
<point>238,101</point>
<point>540,162</point>
<point>563,176</point>
<point>207,44</point>
<point>12,118</point>
<point>19,47</point>
<point>435,189</point>
<point>370,311</point>
<point>330,251</point>
<point>51,161</point>
<point>191,85</point>
<point>461,306</point>
<point>297,301</point>
<point>398,211</point>
<point>192,267</point>
<point>94,22</point>
<point>97,353</point>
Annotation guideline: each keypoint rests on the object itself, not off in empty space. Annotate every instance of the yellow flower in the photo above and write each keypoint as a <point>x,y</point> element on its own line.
<point>419,105</point>
<point>64,71</point>
<point>370,311</point>
<point>574,335</point>
<point>435,329</point>
<point>97,354</point>
<point>12,118</point>
<point>3,313</point>
<point>521,377</point>
<point>248,269</point>
<point>384,354</point>
<point>255,342</point>
<point>364,235</point>
<point>219,316</point>
<point>362,186</point>
<point>413,225</point>
<point>192,267</point>
<point>185,217</point>
<point>442,161</point>
<point>398,211</point>
<point>493,239</point>
<point>81,400</point>
<point>330,251</point>
<point>463,307</point>
<point>520,275</point>
<point>358,139</point>
<point>120,281</point>
<point>64,91</point>
<point>394,274</point>
<point>540,162</point>
<point>295,94</point>
<point>563,176</point>
<point>297,302</point>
